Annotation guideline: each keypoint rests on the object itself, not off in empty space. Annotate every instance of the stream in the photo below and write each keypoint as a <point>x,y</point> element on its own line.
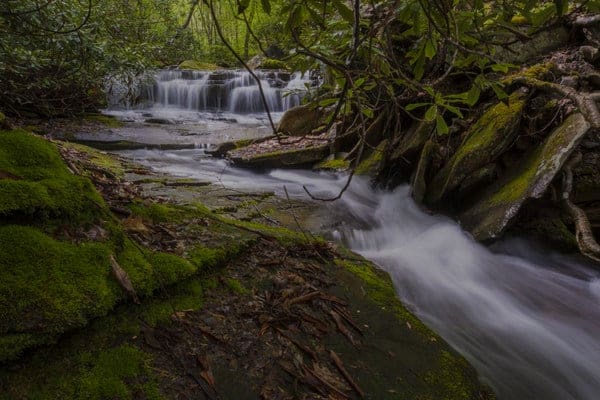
<point>526,317</point>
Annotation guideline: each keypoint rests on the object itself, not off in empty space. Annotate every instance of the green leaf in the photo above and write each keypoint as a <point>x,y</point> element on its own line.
<point>327,102</point>
<point>453,110</point>
<point>500,67</point>
<point>441,126</point>
<point>473,95</point>
<point>359,82</point>
<point>344,10</point>
<point>297,17</point>
<point>500,93</point>
<point>367,112</point>
<point>431,113</point>
<point>414,106</point>
<point>429,49</point>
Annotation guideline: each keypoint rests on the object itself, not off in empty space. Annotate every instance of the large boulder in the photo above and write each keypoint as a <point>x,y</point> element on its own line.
<point>500,204</point>
<point>301,120</point>
<point>486,140</point>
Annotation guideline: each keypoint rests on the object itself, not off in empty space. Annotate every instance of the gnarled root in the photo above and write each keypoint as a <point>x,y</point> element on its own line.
<point>588,246</point>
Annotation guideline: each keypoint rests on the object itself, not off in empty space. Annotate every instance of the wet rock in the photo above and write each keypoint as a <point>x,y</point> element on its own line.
<point>499,205</point>
<point>412,142</point>
<point>590,54</point>
<point>160,121</point>
<point>540,44</point>
<point>113,145</point>
<point>295,157</point>
<point>485,141</point>
<point>301,120</point>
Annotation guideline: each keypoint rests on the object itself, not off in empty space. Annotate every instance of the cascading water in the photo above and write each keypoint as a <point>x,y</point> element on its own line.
<point>526,318</point>
<point>529,321</point>
<point>226,91</point>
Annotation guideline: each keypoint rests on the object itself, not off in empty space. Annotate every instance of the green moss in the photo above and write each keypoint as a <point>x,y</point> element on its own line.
<point>70,198</point>
<point>156,212</point>
<point>107,120</point>
<point>236,286</point>
<point>517,188</point>
<point>537,71</point>
<point>100,159</point>
<point>519,20</point>
<point>283,235</point>
<point>484,133</point>
<point>111,374</point>
<point>447,375</point>
<point>121,372</point>
<point>45,187</point>
<point>198,65</point>
<point>334,164</point>
<point>380,289</point>
<point>30,157</point>
<point>48,287</point>
<point>271,63</point>
<point>370,164</point>
<point>171,268</point>
<point>451,377</point>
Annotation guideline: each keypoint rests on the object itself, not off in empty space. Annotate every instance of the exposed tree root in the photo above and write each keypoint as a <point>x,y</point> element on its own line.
<point>586,242</point>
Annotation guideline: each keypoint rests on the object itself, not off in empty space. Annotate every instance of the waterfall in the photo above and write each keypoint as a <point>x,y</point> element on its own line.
<point>232,91</point>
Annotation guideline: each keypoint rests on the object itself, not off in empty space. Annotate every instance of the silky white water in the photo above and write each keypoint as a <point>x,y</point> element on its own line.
<point>527,318</point>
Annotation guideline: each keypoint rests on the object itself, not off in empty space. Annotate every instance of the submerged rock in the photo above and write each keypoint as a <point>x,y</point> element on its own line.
<point>500,204</point>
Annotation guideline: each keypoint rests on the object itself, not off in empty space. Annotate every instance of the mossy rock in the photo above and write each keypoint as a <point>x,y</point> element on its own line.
<point>198,65</point>
<point>499,205</point>
<point>539,46</point>
<point>271,63</point>
<point>370,165</point>
<point>301,120</point>
<point>425,368</point>
<point>485,141</point>
<point>51,283</point>
<point>333,164</point>
<point>291,158</point>
<point>107,120</point>
<point>413,140</point>
<point>42,187</point>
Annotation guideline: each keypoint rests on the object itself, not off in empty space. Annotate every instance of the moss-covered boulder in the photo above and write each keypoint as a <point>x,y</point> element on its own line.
<point>499,205</point>
<point>301,120</point>
<point>370,164</point>
<point>486,140</point>
<point>198,65</point>
<point>413,140</point>
<point>271,63</point>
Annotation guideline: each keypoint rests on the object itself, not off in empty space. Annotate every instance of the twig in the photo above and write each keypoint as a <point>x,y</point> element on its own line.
<point>340,365</point>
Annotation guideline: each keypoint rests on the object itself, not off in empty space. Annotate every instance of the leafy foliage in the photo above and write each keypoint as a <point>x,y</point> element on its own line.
<point>55,54</point>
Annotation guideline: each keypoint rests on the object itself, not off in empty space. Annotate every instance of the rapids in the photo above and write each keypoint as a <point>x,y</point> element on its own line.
<point>526,317</point>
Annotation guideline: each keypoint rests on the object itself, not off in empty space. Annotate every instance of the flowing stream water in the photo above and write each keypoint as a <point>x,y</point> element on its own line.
<point>526,317</point>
